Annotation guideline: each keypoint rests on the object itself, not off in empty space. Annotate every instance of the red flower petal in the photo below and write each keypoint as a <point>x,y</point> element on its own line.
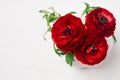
<point>101,21</point>
<point>92,51</point>
<point>66,31</point>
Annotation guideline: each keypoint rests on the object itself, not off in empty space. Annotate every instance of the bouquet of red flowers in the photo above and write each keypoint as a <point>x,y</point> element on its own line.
<point>85,42</point>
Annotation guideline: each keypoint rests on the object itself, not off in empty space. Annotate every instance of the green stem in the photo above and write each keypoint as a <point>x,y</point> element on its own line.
<point>45,35</point>
<point>58,51</point>
<point>114,38</point>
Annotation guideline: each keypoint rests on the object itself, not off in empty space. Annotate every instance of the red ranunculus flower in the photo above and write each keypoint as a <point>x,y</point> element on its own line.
<point>92,51</point>
<point>101,21</point>
<point>66,31</point>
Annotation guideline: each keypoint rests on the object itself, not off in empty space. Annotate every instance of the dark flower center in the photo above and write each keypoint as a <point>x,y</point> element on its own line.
<point>103,20</point>
<point>91,49</point>
<point>67,32</point>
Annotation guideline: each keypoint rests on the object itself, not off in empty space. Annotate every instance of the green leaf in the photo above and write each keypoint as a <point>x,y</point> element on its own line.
<point>58,51</point>
<point>45,16</point>
<point>43,11</point>
<point>51,18</point>
<point>86,9</point>
<point>72,12</point>
<point>52,8</point>
<point>114,38</point>
<point>69,58</point>
<point>93,7</point>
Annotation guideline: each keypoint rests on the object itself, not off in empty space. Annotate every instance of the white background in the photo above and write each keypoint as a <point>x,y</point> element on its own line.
<point>24,55</point>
